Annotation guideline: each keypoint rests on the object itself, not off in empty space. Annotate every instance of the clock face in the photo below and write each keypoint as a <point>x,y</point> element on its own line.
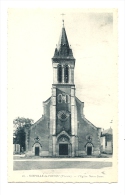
<point>63,115</point>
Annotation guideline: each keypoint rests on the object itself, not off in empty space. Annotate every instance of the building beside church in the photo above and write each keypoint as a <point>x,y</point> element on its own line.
<point>107,141</point>
<point>63,129</point>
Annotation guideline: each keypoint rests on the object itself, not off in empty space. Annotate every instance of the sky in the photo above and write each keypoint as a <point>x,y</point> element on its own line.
<point>32,38</point>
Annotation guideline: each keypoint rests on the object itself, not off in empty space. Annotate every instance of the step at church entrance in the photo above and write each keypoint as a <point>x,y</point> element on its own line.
<point>63,149</point>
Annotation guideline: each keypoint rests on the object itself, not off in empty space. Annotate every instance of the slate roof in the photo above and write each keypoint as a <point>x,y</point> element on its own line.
<point>63,39</point>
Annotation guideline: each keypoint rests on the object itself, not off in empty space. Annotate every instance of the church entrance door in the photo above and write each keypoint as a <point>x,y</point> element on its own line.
<point>36,151</point>
<point>63,149</point>
<point>89,150</point>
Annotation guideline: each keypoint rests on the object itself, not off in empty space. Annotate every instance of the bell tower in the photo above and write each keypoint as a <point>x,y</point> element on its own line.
<point>63,61</point>
<point>63,111</point>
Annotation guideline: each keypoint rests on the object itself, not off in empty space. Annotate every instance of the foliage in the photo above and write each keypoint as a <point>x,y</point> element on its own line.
<point>20,124</point>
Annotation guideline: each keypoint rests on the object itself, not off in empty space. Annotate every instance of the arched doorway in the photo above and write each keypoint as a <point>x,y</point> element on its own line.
<point>63,149</point>
<point>63,146</point>
<point>89,148</point>
<point>37,149</point>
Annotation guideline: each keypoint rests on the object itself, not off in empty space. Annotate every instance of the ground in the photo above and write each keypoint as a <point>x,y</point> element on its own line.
<point>22,163</point>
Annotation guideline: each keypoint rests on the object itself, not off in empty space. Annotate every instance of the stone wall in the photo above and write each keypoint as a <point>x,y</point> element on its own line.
<point>38,135</point>
<point>87,133</point>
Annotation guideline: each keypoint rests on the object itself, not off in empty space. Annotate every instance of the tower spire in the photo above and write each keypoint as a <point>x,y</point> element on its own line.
<point>63,49</point>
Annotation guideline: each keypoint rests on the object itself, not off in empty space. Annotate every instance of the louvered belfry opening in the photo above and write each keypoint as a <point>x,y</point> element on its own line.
<point>66,74</point>
<point>59,73</point>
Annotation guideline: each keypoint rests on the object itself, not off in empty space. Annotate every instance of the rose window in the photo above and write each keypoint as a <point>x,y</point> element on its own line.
<point>63,115</point>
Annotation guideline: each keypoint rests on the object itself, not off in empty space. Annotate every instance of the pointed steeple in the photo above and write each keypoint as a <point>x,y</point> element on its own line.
<point>63,38</point>
<point>63,49</point>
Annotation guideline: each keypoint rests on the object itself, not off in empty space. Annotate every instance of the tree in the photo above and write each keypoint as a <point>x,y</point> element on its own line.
<point>20,124</point>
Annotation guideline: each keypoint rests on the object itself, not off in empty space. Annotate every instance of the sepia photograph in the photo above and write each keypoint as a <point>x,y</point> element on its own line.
<point>62,95</point>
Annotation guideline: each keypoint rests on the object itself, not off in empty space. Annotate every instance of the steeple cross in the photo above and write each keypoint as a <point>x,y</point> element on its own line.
<point>63,15</point>
<point>63,19</point>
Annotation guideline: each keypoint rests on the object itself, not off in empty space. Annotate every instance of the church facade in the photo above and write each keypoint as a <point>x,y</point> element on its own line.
<point>63,129</point>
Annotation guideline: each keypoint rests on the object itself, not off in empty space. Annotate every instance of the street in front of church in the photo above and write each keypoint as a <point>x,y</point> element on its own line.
<point>61,163</point>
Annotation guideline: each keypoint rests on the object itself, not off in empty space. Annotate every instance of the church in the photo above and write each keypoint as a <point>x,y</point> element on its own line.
<point>63,130</point>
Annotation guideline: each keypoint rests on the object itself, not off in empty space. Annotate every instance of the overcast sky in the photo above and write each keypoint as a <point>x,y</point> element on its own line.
<point>32,38</point>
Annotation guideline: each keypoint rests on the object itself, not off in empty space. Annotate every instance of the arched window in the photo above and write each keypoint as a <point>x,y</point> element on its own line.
<point>66,74</point>
<point>60,98</point>
<point>59,73</point>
